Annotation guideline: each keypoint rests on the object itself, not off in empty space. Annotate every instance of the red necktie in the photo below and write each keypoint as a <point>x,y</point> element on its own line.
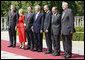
<point>11,13</point>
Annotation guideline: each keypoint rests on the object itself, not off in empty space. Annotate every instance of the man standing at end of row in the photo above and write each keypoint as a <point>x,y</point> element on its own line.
<point>11,23</point>
<point>67,29</point>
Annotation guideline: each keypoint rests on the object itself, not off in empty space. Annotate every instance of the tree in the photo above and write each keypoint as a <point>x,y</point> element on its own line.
<point>76,6</point>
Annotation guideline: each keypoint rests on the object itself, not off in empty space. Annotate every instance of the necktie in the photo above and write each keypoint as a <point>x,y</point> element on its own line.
<point>53,17</point>
<point>11,13</point>
<point>27,15</point>
<point>63,14</point>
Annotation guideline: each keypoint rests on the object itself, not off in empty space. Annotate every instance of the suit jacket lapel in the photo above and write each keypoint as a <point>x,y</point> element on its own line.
<point>12,14</point>
<point>37,16</point>
<point>64,14</point>
<point>29,16</point>
<point>55,17</point>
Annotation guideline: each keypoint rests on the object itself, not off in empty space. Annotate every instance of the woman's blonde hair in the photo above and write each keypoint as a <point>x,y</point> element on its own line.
<point>21,12</point>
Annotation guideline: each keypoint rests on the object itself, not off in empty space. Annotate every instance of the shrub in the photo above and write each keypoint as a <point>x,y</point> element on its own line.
<point>79,28</point>
<point>78,36</point>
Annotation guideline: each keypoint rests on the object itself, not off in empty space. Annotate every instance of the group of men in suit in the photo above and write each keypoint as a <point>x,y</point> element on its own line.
<point>52,23</point>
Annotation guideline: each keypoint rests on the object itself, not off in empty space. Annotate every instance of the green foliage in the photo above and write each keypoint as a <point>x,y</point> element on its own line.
<point>79,28</point>
<point>76,6</point>
<point>78,36</point>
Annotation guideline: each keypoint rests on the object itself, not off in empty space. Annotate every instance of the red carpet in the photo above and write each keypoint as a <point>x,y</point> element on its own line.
<point>33,55</point>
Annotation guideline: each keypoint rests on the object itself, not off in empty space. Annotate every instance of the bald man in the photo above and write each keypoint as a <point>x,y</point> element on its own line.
<point>67,29</point>
<point>55,31</point>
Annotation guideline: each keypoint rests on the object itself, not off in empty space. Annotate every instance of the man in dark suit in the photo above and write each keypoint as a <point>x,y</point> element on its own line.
<point>38,29</point>
<point>12,21</point>
<point>55,31</point>
<point>28,24</point>
<point>67,29</point>
<point>47,29</point>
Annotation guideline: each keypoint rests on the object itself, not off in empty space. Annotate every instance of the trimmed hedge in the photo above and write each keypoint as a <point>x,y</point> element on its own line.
<point>77,36</point>
<point>79,28</point>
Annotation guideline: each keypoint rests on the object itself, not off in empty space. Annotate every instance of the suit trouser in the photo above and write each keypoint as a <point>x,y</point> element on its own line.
<point>56,42</point>
<point>38,41</point>
<point>12,36</point>
<point>29,35</point>
<point>48,41</point>
<point>67,44</point>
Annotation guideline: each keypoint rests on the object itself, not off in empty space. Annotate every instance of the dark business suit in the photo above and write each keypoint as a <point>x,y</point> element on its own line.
<point>12,21</point>
<point>67,26</point>
<point>29,33</point>
<point>37,26</point>
<point>55,32</point>
<point>47,26</point>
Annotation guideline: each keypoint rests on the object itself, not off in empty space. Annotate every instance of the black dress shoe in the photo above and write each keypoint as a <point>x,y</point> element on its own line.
<point>26,48</point>
<point>39,50</point>
<point>10,46</point>
<point>34,50</point>
<point>47,52</point>
<point>31,49</point>
<point>56,54</point>
<point>66,56</point>
<point>13,46</point>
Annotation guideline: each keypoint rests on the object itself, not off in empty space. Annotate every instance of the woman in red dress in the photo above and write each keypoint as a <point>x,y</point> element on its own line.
<point>21,29</point>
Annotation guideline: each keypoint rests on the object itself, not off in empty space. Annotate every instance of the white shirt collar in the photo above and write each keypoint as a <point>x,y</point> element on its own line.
<point>55,13</point>
<point>47,11</point>
<point>38,12</point>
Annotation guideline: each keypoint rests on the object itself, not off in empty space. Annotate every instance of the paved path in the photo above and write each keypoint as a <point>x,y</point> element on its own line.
<point>78,47</point>
<point>8,55</point>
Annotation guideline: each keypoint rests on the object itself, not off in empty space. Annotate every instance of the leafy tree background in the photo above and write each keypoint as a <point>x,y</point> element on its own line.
<point>76,6</point>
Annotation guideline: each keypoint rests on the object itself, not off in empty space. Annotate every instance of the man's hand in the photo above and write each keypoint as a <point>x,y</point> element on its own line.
<point>32,28</point>
<point>24,24</point>
<point>71,33</point>
<point>15,28</point>
<point>41,31</point>
<point>46,31</point>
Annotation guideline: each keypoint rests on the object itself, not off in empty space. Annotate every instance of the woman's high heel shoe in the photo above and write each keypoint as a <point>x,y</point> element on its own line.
<point>20,47</point>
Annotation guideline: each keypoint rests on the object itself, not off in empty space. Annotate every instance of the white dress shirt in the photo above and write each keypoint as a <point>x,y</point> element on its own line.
<point>37,15</point>
<point>47,11</point>
<point>55,14</point>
